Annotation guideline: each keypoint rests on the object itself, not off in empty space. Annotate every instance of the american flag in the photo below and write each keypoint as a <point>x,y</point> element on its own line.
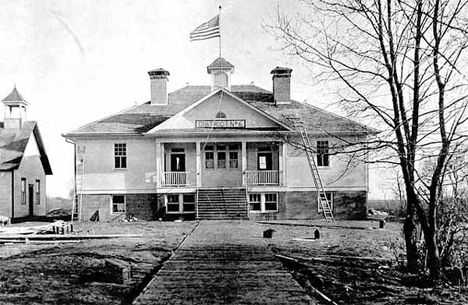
<point>207,30</point>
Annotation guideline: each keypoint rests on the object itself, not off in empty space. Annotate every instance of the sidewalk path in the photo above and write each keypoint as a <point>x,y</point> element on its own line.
<point>224,262</point>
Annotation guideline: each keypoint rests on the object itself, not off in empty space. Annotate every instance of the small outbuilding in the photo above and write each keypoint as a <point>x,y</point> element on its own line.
<point>24,164</point>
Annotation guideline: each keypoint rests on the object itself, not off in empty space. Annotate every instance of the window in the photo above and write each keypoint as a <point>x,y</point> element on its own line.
<point>38,191</point>
<point>322,153</point>
<point>264,161</point>
<point>23,190</point>
<point>220,80</point>
<point>173,203</point>
<point>120,155</point>
<point>118,203</point>
<point>329,199</point>
<point>188,202</point>
<point>233,159</point>
<point>209,157</point>
<point>255,202</point>
<point>220,115</point>
<point>222,156</point>
<point>271,202</point>
<point>181,203</point>
<point>263,202</point>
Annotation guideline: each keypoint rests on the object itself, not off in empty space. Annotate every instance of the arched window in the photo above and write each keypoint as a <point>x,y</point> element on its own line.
<point>221,115</point>
<point>220,80</point>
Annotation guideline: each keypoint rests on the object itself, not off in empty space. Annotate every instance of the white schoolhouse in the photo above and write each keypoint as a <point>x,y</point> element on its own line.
<point>219,151</point>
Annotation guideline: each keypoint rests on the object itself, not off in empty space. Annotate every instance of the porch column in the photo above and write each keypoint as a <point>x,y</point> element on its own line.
<point>284,155</point>
<point>198,164</point>
<point>244,163</point>
<point>281,163</point>
<point>159,169</point>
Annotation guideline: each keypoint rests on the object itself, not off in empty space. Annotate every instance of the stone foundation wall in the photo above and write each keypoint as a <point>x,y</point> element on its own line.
<point>350,205</point>
<point>142,206</point>
<point>303,205</point>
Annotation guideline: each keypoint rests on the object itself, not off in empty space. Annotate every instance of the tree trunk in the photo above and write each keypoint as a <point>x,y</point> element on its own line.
<point>410,229</point>
<point>433,256</point>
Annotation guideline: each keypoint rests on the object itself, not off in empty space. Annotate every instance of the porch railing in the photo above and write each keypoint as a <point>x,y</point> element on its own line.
<point>176,179</point>
<point>267,177</point>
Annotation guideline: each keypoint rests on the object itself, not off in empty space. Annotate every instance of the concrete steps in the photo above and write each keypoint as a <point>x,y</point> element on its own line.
<point>222,204</point>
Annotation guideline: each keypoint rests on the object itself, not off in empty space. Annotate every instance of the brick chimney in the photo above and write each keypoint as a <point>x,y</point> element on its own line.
<point>281,85</point>
<point>158,80</point>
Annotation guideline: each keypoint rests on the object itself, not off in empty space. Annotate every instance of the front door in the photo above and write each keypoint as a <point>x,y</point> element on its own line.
<point>31,199</point>
<point>177,162</point>
<point>178,176</point>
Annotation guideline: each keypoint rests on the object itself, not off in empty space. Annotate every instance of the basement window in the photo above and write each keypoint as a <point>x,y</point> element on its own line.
<point>255,202</point>
<point>118,204</point>
<point>180,203</point>
<point>173,203</point>
<point>263,202</point>
<point>188,203</point>
<point>271,202</point>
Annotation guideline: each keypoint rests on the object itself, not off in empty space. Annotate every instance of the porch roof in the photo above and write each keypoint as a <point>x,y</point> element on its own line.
<point>140,119</point>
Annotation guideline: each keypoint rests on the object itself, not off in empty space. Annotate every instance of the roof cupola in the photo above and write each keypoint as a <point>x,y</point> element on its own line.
<point>220,71</point>
<point>15,110</point>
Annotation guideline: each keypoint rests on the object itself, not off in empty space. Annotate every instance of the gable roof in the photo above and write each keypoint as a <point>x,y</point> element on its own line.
<point>13,144</point>
<point>229,94</point>
<point>142,118</point>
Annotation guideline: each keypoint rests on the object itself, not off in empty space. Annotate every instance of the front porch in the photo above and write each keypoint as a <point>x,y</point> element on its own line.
<point>220,164</point>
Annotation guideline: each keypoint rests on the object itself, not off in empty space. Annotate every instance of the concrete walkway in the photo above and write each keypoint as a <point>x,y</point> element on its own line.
<point>224,262</point>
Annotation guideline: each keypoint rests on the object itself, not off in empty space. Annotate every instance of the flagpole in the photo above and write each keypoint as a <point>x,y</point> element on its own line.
<point>220,31</point>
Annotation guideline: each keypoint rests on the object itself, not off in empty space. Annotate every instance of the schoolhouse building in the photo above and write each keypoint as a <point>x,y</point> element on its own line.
<point>218,151</point>
<point>24,163</point>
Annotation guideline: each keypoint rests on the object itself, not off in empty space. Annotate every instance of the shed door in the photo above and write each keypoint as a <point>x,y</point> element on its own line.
<point>31,199</point>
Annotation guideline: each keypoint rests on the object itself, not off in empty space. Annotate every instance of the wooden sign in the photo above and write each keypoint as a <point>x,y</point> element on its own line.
<point>220,123</point>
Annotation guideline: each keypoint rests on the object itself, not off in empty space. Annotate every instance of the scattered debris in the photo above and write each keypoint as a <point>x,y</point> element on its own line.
<point>118,271</point>
<point>130,218</point>
<point>59,214</point>
<point>268,233</point>
<point>374,212</point>
<point>5,220</point>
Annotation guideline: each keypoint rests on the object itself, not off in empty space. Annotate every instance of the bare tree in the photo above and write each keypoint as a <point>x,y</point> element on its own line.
<point>397,65</point>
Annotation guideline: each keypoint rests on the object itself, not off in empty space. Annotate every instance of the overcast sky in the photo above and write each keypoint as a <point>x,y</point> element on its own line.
<point>79,61</point>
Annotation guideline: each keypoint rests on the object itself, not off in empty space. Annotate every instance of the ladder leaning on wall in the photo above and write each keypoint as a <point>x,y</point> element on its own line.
<point>298,124</point>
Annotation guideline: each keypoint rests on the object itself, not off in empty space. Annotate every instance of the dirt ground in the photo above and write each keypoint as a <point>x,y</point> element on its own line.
<point>75,273</point>
<point>352,263</point>
<point>355,262</point>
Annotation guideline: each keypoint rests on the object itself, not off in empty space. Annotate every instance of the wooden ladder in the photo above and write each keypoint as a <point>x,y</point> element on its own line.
<point>298,124</point>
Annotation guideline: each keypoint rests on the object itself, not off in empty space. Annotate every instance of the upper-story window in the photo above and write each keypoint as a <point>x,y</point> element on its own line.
<point>323,157</point>
<point>120,155</point>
